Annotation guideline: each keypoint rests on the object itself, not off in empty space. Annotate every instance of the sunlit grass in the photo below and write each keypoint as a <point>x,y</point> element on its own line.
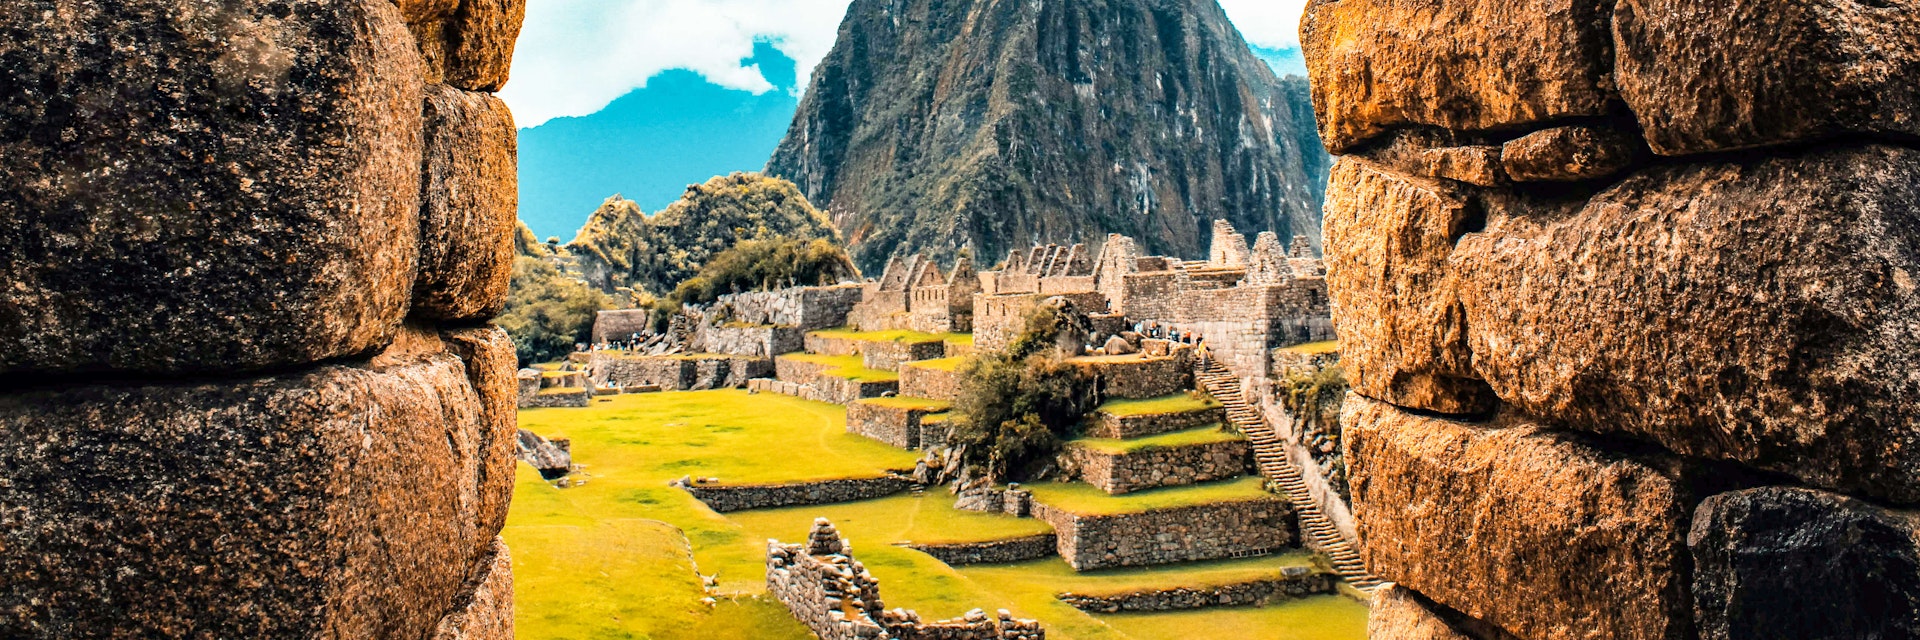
<point>1086,499</point>
<point>908,402</point>
<point>893,335</point>
<point>1315,348</point>
<point>1176,403</point>
<point>1205,435</point>
<point>941,364</point>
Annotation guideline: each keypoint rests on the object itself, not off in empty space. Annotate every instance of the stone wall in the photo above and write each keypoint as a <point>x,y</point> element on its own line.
<point>1625,289</point>
<point>1138,377</point>
<point>888,355</point>
<point>932,383</point>
<point>1106,425</point>
<point>834,595</point>
<point>742,497</point>
<point>559,397</point>
<point>801,308</point>
<point>761,341</point>
<point>997,319</point>
<point>893,424</point>
<point>1295,582</point>
<point>1032,547</point>
<point>1118,473</point>
<point>251,251</point>
<point>1180,534</point>
<point>676,372</point>
<point>621,324</point>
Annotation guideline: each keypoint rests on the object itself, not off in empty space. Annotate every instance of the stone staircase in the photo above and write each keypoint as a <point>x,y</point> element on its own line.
<point>1277,467</point>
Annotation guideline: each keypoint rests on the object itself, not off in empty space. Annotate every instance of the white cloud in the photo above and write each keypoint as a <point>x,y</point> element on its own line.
<point>575,56</point>
<point>1274,24</point>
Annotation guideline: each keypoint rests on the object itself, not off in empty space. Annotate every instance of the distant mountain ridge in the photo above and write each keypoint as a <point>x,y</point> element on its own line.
<point>935,123</point>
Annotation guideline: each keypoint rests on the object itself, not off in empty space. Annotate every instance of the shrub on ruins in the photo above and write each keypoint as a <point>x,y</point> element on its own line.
<point>1015,409</point>
<point>1314,399</point>
<point>549,312</point>
<point>622,246</point>
<point>760,265</point>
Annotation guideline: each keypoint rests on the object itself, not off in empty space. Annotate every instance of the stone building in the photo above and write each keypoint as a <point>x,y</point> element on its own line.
<point>914,295</point>
<point>252,249</point>
<point>1626,298</point>
<point>1242,302</point>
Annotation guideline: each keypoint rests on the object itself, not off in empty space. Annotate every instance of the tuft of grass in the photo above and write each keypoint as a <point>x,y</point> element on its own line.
<point>909,402</point>
<point>1204,435</point>
<point>941,364</point>
<point>1315,348</point>
<point>1086,499</point>
<point>936,418</point>
<point>850,367</point>
<point>1177,403</point>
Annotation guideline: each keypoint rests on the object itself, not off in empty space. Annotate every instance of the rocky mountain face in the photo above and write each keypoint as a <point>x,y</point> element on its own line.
<point>1626,295</point>
<point>935,123</point>
<point>623,247</point>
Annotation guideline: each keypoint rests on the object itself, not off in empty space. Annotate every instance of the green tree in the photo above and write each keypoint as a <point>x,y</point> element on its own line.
<point>623,246</point>
<point>548,312</point>
<point>1015,409</point>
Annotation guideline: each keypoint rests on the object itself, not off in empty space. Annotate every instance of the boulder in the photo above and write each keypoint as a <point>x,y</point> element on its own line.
<point>1716,75</point>
<point>1468,65</point>
<point>1537,532</point>
<point>552,459</point>
<point>1789,563</point>
<point>1569,154</point>
<point>338,503</point>
<point>1761,311</point>
<point>469,200</point>
<point>256,207</point>
<point>1400,614</point>
<point>489,357</point>
<point>485,612</point>
<point>1403,331</point>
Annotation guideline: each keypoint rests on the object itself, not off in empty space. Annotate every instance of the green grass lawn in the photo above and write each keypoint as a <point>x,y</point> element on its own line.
<point>1086,499</point>
<point>616,557</point>
<point>1204,435</point>
<point>630,446</point>
<point>908,402</point>
<point>1315,348</point>
<point>1327,617</point>
<point>1176,403</point>
<point>941,364</point>
<point>849,367</point>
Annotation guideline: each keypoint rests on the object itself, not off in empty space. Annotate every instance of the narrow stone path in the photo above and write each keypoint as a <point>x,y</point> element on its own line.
<point>1274,465</point>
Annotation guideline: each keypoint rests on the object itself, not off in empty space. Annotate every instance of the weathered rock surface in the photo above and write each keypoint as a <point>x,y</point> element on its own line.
<point>938,122</point>
<point>1713,75</point>
<point>490,360</point>
<point>1790,563</point>
<point>1402,328</point>
<point>1472,65</point>
<point>336,503</point>
<point>255,206</point>
<point>1763,311</point>
<point>1398,613</point>
<point>1530,530</point>
<point>469,199</point>
<point>1568,154</point>
<point>485,612</point>
<point>479,38</point>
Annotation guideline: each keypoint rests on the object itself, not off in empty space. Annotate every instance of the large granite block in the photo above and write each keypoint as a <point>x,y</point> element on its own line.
<point>470,195</point>
<point>1466,65</point>
<point>1398,613</point>
<point>1535,532</point>
<point>1403,331</point>
<point>1715,75</point>
<point>490,363</point>
<point>1763,311</point>
<point>1788,563</point>
<point>341,502</point>
<point>485,612</point>
<point>204,187</point>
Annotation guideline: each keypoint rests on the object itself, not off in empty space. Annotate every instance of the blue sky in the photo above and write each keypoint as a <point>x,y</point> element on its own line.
<point>642,97</point>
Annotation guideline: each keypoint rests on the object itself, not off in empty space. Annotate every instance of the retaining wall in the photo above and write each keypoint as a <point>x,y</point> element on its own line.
<point>1139,378</point>
<point>897,426</point>
<point>1106,425</point>
<point>928,382</point>
<point>889,355</point>
<point>1165,536</point>
<point>1117,473</point>
<point>1031,547</point>
<point>1296,582</point>
<point>729,498</point>
<point>677,373</point>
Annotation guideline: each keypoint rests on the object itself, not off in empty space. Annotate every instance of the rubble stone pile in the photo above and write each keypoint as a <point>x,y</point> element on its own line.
<point>251,252</point>
<point>1627,295</point>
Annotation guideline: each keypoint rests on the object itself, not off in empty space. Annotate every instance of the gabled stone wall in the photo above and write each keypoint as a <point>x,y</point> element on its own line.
<point>835,596</point>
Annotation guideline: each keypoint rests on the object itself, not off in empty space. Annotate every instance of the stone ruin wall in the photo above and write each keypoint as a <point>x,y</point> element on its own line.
<point>1182,534</point>
<point>1118,473</point>
<point>1626,293</point>
<point>801,308</point>
<point>834,595</point>
<point>252,249</point>
<point>1033,547</point>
